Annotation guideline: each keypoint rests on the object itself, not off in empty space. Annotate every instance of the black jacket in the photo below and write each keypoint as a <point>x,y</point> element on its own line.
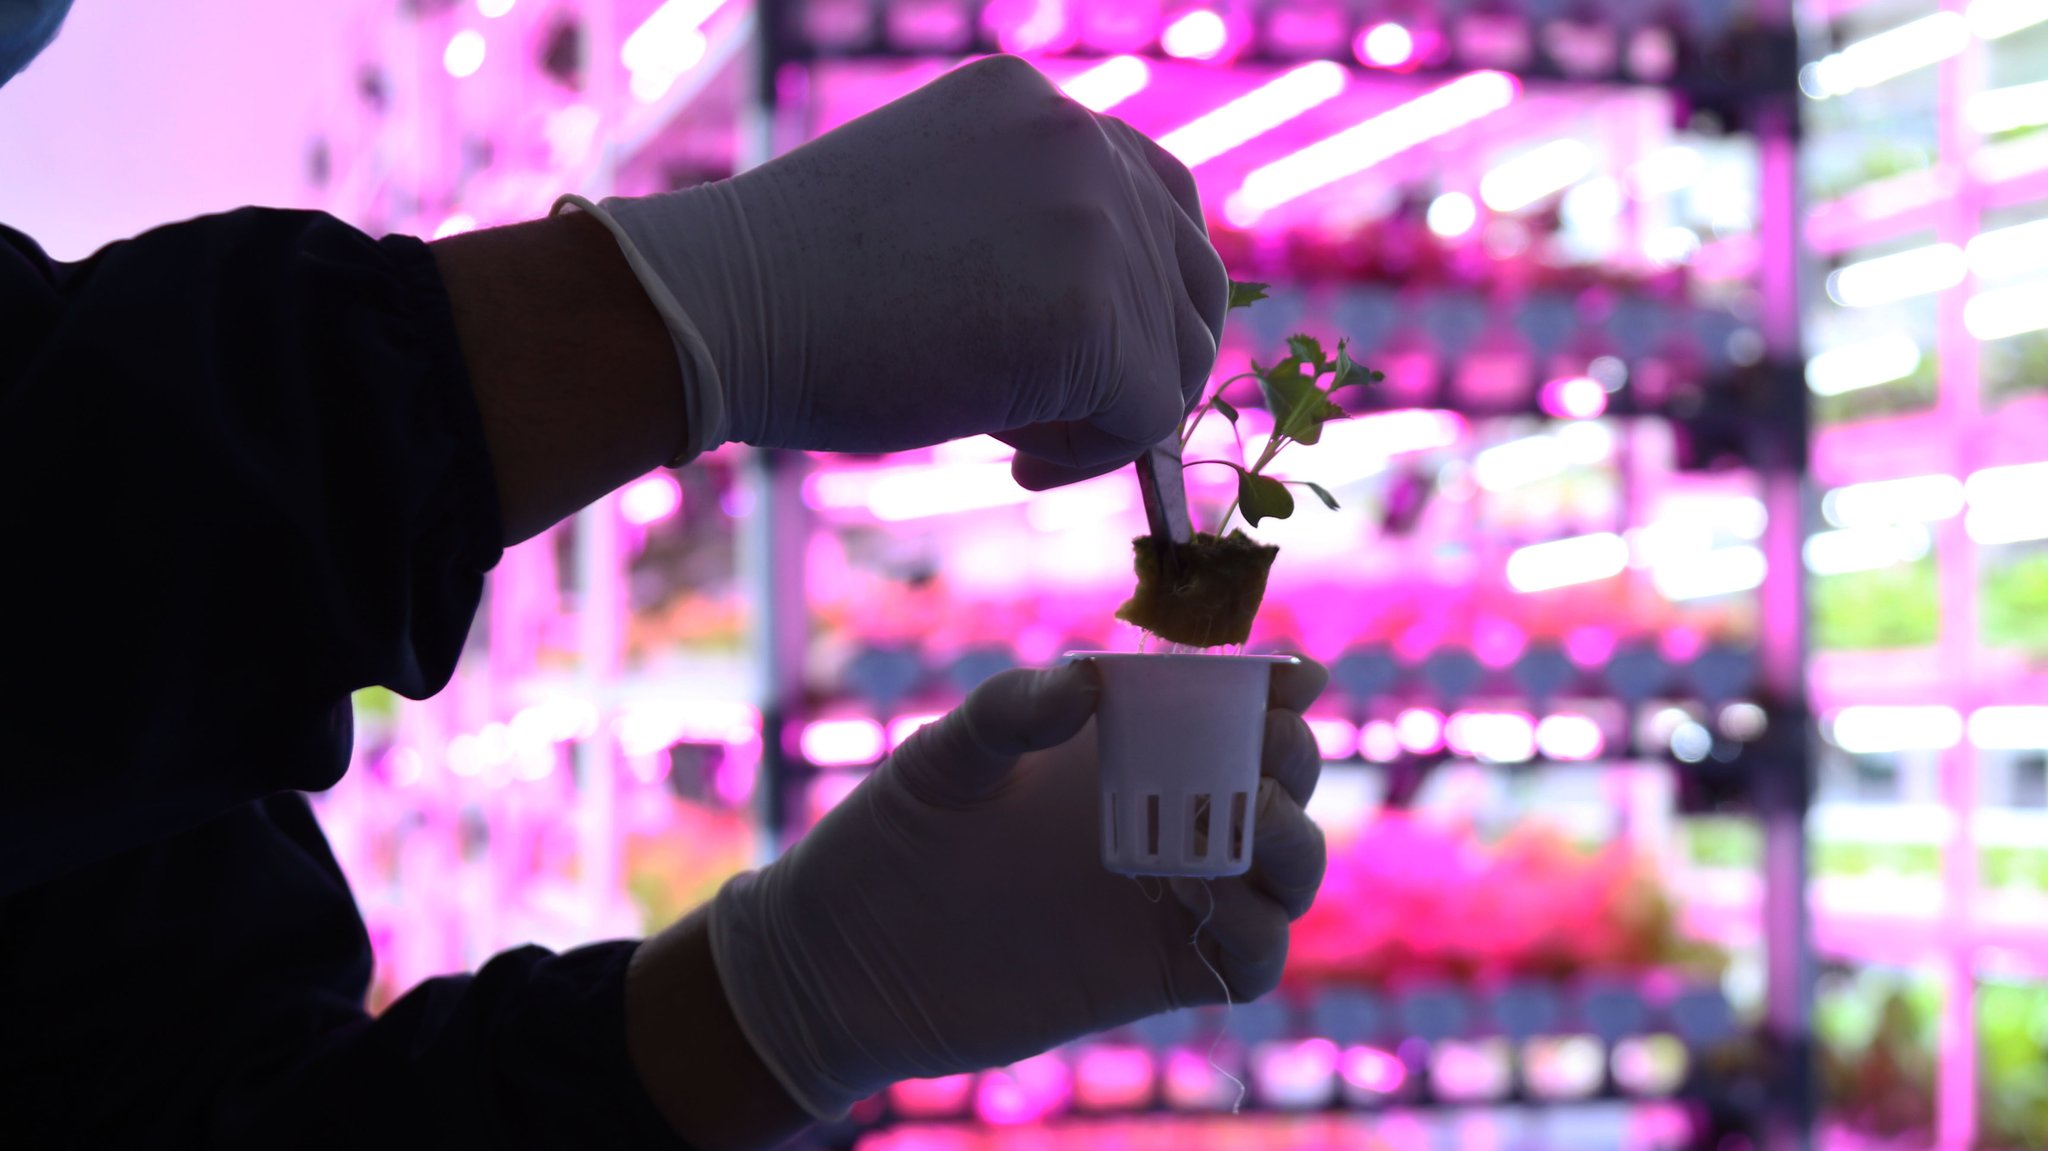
<point>241,476</point>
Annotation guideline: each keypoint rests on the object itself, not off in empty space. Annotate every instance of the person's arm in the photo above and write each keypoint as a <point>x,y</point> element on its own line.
<point>704,1076</point>
<point>578,383</point>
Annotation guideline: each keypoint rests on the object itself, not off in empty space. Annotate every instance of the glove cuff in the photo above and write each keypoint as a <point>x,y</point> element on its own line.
<point>780,1024</point>
<point>703,392</point>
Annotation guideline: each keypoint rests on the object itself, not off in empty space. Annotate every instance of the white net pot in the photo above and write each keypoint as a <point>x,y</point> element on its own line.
<point>1179,737</point>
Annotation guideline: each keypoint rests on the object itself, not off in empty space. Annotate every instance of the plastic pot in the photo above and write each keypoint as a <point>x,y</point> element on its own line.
<point>1179,738</point>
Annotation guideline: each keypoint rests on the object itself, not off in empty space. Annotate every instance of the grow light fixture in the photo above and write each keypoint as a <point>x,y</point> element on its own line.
<point>1364,145</point>
<point>667,44</point>
<point>916,491</point>
<point>1574,398</point>
<point>1912,500</point>
<point>1569,738</point>
<point>2007,523</point>
<point>2012,252</point>
<point>1879,730</point>
<point>1899,276</point>
<point>651,499</point>
<point>1864,365</point>
<point>1536,174</point>
<point>1336,739</point>
<point>1866,548</point>
<point>1385,45</point>
<point>455,225</point>
<point>2010,109</point>
<point>1992,19</point>
<point>1109,83</point>
<point>1723,571</point>
<point>464,54</point>
<point>843,742</point>
<point>2006,505</point>
<point>1670,170</point>
<point>1562,563</point>
<point>2009,728</point>
<point>1453,214</point>
<point>492,9</point>
<point>904,726</point>
<point>1420,730</point>
<point>1887,55</point>
<point>2003,312</point>
<point>1199,35</point>
<point>1492,736</point>
<point>1256,112</point>
<point>1373,1070</point>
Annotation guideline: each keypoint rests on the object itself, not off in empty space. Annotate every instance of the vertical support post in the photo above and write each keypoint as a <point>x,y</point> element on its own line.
<point>600,641</point>
<point>774,529</point>
<point>1959,407</point>
<point>1783,794</point>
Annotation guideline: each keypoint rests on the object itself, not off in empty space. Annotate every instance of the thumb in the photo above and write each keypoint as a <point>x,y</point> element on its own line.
<point>967,755</point>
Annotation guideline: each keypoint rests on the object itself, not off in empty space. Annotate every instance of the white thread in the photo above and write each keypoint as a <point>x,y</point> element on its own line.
<point>1195,941</point>
<point>1150,896</point>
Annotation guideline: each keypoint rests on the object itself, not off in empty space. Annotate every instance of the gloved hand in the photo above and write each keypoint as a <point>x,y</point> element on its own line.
<point>953,913</point>
<point>980,256</point>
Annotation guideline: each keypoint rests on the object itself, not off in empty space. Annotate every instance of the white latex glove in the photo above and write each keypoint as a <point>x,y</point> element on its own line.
<point>980,256</point>
<point>954,914</point>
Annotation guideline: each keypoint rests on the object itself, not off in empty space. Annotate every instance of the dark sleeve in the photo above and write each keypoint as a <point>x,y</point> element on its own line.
<point>241,476</point>
<point>206,991</point>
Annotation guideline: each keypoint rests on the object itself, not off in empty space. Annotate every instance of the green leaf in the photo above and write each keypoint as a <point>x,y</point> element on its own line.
<point>1309,350</point>
<point>1290,396</point>
<point>1322,493</point>
<point>1262,498</point>
<point>1307,427</point>
<point>1352,373</point>
<point>1244,293</point>
<point>1222,405</point>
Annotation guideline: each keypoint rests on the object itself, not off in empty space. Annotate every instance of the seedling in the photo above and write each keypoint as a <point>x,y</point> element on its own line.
<point>1223,572</point>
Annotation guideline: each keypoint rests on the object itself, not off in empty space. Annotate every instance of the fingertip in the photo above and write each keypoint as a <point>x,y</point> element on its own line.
<point>1297,684</point>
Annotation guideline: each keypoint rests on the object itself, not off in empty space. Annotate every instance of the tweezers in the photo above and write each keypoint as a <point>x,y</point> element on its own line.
<point>1166,502</point>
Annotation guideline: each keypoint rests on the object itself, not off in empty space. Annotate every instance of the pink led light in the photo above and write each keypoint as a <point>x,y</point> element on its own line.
<point>904,726</point>
<point>1496,643</point>
<point>735,776</point>
<point>843,742</point>
<point>1199,35</point>
<point>1492,737</point>
<point>455,225</point>
<point>1113,1077</point>
<point>1420,730</point>
<point>1023,26</point>
<point>1104,87</point>
<point>930,1098</point>
<point>916,491</point>
<point>1387,45</point>
<point>1364,145</point>
<point>1590,646</point>
<point>1296,1071</point>
<point>1571,738</point>
<point>667,44</point>
<point>1370,1069</point>
<point>1574,398</point>
<point>1024,1092</point>
<point>651,499</point>
<point>1119,27</point>
<point>405,766</point>
<point>1256,112</point>
<point>1561,563</point>
<point>1379,742</point>
<point>1335,738</point>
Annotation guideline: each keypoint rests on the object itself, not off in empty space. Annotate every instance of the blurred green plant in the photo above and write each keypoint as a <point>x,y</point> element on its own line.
<point>1893,607</point>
